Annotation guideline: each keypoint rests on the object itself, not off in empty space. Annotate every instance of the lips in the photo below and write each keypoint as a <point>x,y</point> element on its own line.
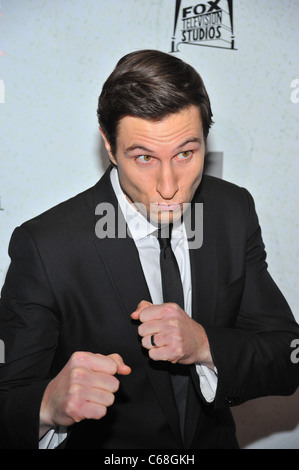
<point>169,207</point>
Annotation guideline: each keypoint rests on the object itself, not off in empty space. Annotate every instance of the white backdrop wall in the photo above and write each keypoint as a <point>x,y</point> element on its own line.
<point>55,55</point>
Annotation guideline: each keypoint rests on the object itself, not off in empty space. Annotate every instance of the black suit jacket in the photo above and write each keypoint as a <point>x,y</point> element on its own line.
<point>68,290</point>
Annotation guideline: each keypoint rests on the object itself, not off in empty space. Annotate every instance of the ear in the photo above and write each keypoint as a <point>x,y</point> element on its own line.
<point>108,147</point>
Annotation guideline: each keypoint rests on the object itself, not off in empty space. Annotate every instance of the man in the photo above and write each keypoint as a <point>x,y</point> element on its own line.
<point>93,343</point>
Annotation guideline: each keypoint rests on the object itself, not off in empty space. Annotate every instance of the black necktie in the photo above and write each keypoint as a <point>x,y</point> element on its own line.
<point>173,292</point>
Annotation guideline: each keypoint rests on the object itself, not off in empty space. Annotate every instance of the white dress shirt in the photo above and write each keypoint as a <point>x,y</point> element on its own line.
<point>149,253</point>
<point>148,248</point>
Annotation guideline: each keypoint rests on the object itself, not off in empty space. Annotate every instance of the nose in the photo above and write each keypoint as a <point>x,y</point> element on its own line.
<point>167,184</point>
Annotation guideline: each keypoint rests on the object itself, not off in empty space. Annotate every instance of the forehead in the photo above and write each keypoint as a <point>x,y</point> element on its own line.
<point>171,129</point>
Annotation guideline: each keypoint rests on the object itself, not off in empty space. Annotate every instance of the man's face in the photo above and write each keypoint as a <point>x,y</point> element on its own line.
<point>160,163</point>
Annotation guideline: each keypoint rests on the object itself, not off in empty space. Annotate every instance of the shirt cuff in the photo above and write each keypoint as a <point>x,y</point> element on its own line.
<point>53,438</point>
<point>208,381</point>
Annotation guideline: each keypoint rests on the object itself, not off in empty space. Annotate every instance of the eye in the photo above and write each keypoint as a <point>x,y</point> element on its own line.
<point>185,154</point>
<point>144,158</point>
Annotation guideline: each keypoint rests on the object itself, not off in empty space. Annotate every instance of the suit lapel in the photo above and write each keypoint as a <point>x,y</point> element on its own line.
<point>120,257</point>
<point>203,263</point>
<point>204,272</point>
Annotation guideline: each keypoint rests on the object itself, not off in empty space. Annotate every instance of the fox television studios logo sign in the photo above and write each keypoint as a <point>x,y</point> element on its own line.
<point>205,23</point>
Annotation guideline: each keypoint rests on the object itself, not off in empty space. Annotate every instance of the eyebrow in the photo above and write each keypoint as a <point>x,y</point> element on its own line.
<point>149,151</point>
<point>137,147</point>
<point>190,140</point>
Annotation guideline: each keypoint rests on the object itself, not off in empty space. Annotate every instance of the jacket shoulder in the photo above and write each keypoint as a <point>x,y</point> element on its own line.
<point>232,206</point>
<point>214,185</point>
<point>71,211</point>
<point>214,191</point>
<point>74,214</point>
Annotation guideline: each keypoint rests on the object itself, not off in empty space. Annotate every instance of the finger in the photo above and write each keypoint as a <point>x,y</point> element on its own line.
<point>167,310</point>
<point>85,410</point>
<point>159,340</point>
<point>92,411</point>
<point>149,328</point>
<point>95,391</point>
<point>98,396</point>
<point>163,354</point>
<point>90,379</point>
<point>89,401</point>
<point>141,306</point>
<point>122,368</point>
<point>96,362</point>
<point>151,313</point>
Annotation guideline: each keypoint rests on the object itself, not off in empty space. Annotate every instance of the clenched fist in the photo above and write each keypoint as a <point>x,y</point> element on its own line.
<point>83,389</point>
<point>171,335</point>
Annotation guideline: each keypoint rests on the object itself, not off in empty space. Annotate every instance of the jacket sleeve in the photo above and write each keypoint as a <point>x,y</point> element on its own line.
<point>253,358</point>
<point>29,329</point>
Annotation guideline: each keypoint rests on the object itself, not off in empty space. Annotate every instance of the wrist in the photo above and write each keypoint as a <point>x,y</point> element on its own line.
<point>43,429</point>
<point>203,355</point>
<point>45,421</point>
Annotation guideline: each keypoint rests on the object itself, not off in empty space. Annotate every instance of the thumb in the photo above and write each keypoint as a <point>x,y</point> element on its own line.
<point>122,368</point>
<point>141,306</point>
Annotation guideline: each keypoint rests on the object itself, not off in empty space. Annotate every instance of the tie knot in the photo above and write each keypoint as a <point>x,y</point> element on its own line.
<point>164,235</point>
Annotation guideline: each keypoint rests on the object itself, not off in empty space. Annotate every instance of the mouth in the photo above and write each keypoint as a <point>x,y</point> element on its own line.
<point>169,207</point>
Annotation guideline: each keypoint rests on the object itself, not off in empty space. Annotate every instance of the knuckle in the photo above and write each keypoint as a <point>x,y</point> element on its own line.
<point>113,368</point>
<point>168,307</point>
<point>72,407</point>
<point>172,310</point>
<point>74,394</point>
<point>106,398</point>
<point>114,384</point>
<point>176,346</point>
<point>102,411</point>
<point>178,350</point>
<point>112,361</point>
<point>174,322</point>
<point>77,374</point>
<point>141,329</point>
<point>115,357</point>
<point>110,399</point>
<point>152,354</point>
<point>78,357</point>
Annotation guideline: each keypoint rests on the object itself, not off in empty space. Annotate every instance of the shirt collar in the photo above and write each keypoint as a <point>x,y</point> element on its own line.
<point>138,225</point>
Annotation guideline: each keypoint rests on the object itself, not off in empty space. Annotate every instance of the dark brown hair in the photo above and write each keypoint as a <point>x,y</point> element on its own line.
<point>150,84</point>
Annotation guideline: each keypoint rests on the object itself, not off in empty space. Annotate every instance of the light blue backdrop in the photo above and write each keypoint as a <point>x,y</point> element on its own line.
<point>54,58</point>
